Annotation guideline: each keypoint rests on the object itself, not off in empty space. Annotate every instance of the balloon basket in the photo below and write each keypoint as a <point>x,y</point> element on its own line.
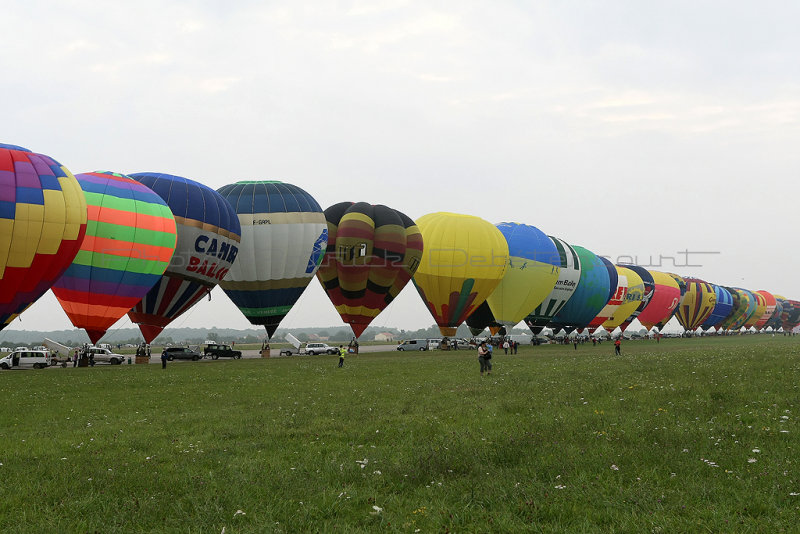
<point>265,353</point>
<point>142,359</point>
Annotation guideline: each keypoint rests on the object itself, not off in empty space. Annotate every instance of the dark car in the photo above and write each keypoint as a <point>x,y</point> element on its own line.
<point>182,353</point>
<point>221,351</point>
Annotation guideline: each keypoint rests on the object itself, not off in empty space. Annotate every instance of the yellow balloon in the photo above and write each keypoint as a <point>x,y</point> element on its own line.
<point>463,260</point>
<point>533,270</point>
<point>632,299</point>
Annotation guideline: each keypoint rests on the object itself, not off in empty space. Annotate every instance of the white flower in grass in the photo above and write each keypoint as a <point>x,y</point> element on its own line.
<point>376,510</point>
<point>751,460</point>
<point>614,467</point>
<point>239,512</point>
<point>794,494</point>
<point>756,450</point>
<point>560,487</point>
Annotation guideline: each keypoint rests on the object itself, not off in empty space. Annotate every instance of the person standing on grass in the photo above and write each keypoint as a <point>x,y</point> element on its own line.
<point>164,358</point>
<point>342,352</point>
<point>484,357</point>
<point>617,347</point>
<point>505,346</point>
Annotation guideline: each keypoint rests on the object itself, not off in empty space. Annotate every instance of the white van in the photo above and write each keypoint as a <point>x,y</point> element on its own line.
<point>413,344</point>
<point>26,359</point>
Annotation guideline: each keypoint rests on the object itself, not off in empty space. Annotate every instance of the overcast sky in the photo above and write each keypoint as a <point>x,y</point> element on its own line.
<point>631,128</point>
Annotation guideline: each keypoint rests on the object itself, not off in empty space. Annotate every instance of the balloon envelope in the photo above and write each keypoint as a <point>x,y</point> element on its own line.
<point>42,224</point>
<point>682,287</point>
<point>130,239</point>
<point>790,316</point>
<point>769,310</point>
<point>665,298</point>
<point>697,304</point>
<point>633,298</point>
<point>463,261</point>
<point>372,252</point>
<point>618,290</point>
<point>761,308</point>
<point>283,238</point>
<point>589,297</point>
<point>568,277</point>
<point>207,244</point>
<point>647,294</point>
<point>722,309</point>
<point>533,268</point>
<point>481,319</point>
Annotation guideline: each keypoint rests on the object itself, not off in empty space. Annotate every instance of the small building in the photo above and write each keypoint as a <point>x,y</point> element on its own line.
<point>384,336</point>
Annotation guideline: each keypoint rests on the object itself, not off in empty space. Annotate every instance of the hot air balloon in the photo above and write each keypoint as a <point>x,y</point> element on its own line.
<point>697,304</point>
<point>618,288</point>
<point>533,269</point>
<point>372,252</point>
<point>743,311</point>
<point>589,297</point>
<point>790,317</point>
<point>42,224</point>
<point>775,321</point>
<point>682,287</point>
<point>128,245</point>
<point>208,242</point>
<point>665,298</point>
<point>568,278</point>
<point>761,308</point>
<point>633,298</point>
<point>464,259</point>
<point>722,309</point>
<point>769,309</point>
<point>284,235</point>
<point>647,294</point>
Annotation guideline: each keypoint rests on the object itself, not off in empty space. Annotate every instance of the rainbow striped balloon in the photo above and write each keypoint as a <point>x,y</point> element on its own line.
<point>42,223</point>
<point>130,239</point>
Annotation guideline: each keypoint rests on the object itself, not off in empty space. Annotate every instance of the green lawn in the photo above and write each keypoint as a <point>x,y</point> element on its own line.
<point>687,435</point>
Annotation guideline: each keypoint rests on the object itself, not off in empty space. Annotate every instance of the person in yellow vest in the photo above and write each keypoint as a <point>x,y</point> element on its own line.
<point>342,352</point>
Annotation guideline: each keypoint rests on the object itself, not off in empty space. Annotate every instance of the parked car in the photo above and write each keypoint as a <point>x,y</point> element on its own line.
<point>26,359</point>
<point>182,353</point>
<point>320,348</point>
<point>221,351</point>
<point>105,355</point>
<point>413,344</point>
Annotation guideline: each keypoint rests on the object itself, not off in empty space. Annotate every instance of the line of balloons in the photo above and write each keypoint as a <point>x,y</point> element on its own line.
<point>152,245</point>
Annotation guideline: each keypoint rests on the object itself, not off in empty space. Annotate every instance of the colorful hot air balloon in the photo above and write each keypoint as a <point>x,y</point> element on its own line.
<point>790,317</point>
<point>568,278</point>
<point>682,287</point>
<point>589,297</point>
<point>775,321</point>
<point>42,224</point>
<point>761,308</point>
<point>128,245</point>
<point>372,252</point>
<point>769,310</point>
<point>722,309</point>
<point>633,298</point>
<point>284,235</point>
<point>618,288</point>
<point>665,298</point>
<point>697,304</point>
<point>208,242</point>
<point>464,259</point>
<point>533,269</point>
<point>745,308</point>
<point>649,288</point>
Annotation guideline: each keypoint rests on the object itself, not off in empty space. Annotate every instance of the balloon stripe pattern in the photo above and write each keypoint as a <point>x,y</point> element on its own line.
<point>697,304</point>
<point>647,294</point>
<point>633,298</point>
<point>42,223</point>
<point>208,243</point>
<point>130,239</point>
<point>722,309</point>
<point>283,239</point>
<point>665,298</point>
<point>618,289</point>
<point>368,260</point>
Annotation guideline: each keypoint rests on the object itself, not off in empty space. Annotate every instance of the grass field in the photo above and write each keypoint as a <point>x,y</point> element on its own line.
<point>687,435</point>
